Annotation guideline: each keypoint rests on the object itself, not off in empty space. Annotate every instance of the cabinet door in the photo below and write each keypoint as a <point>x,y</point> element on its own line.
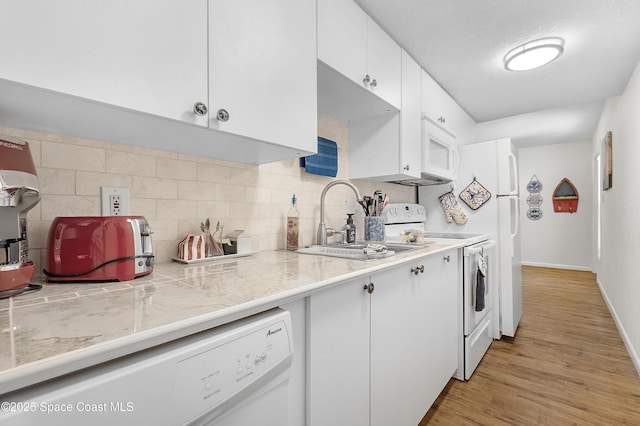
<point>263,70</point>
<point>383,64</point>
<point>440,279</point>
<point>410,117</point>
<point>386,147</point>
<point>399,343</point>
<point>442,110</point>
<point>338,355</point>
<point>146,55</point>
<point>413,339</point>
<point>342,37</point>
<point>437,105</point>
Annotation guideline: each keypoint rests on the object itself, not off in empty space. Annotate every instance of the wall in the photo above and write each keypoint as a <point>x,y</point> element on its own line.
<point>618,268</point>
<point>176,192</point>
<point>557,240</point>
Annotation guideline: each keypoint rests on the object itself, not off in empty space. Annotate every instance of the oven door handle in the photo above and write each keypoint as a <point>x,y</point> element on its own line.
<point>479,248</point>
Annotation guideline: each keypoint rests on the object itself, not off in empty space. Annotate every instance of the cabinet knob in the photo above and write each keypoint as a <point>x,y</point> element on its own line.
<point>418,270</point>
<point>366,80</point>
<point>369,287</point>
<point>199,109</point>
<point>447,258</point>
<point>442,119</point>
<point>374,83</point>
<point>222,115</point>
<point>406,167</point>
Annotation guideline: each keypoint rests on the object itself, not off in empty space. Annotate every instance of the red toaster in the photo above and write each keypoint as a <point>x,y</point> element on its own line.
<point>99,248</point>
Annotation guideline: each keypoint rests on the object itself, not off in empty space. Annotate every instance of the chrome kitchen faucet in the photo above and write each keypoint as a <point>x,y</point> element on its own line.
<point>323,231</point>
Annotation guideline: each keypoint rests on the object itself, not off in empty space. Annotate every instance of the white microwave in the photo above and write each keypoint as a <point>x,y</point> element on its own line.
<point>439,152</point>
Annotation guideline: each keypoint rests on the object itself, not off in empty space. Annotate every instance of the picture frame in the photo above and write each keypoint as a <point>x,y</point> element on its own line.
<point>607,161</point>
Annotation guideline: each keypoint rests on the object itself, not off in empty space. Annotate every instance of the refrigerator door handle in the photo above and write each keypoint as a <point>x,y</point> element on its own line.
<point>516,218</point>
<point>512,158</point>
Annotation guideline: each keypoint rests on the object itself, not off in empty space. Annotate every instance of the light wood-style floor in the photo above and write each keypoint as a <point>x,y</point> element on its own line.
<point>567,364</point>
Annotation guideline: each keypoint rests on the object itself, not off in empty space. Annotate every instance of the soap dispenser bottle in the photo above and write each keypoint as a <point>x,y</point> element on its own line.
<point>350,228</point>
<point>292,225</point>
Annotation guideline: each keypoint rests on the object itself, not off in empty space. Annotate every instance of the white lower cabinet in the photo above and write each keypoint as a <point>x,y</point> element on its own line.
<point>338,355</point>
<point>383,357</point>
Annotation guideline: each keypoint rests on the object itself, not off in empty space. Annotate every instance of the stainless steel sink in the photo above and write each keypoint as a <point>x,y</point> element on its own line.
<point>355,251</point>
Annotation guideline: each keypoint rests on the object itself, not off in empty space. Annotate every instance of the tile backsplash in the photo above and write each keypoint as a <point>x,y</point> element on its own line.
<point>176,192</point>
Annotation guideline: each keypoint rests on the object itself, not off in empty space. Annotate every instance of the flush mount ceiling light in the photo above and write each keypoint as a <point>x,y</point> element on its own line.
<point>534,54</point>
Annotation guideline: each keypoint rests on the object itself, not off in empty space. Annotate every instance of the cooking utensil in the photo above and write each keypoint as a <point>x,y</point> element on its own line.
<point>367,205</point>
<point>377,196</point>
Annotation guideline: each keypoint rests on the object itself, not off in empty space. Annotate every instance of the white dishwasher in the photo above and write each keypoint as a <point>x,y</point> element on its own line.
<point>235,374</point>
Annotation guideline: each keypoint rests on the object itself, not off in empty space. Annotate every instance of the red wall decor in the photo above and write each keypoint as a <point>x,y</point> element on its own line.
<point>565,197</point>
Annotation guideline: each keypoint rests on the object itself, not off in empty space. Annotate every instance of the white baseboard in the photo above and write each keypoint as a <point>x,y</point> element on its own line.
<point>625,337</point>
<point>556,266</point>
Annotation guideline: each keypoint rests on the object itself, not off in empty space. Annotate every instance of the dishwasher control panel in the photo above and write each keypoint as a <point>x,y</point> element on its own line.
<point>213,373</point>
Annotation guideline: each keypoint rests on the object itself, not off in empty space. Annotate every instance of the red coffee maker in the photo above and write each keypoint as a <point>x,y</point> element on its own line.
<point>19,193</point>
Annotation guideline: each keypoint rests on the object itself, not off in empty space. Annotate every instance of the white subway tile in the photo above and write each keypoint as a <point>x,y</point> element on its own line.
<point>57,181</point>
<point>148,187</point>
<point>69,205</point>
<point>214,210</point>
<point>177,169</point>
<point>230,192</point>
<point>176,209</point>
<point>90,183</point>
<point>144,207</point>
<point>130,164</point>
<point>192,190</point>
<point>215,173</point>
<point>66,156</point>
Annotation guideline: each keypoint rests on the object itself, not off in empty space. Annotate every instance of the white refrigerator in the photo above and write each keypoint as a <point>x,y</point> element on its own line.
<point>494,164</point>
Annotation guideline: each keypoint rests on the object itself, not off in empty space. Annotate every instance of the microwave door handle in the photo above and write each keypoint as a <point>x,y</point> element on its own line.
<point>456,159</point>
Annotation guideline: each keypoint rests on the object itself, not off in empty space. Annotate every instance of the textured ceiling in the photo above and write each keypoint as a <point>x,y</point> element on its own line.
<point>461,43</point>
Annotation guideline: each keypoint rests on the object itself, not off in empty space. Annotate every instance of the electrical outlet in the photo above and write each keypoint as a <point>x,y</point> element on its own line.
<point>114,205</point>
<point>115,201</point>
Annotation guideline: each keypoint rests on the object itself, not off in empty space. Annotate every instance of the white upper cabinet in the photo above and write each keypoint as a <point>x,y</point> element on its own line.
<point>173,70</point>
<point>342,37</point>
<point>443,111</point>
<point>387,147</point>
<point>351,43</point>
<point>410,117</point>
<point>384,69</point>
<point>262,70</point>
<point>146,55</point>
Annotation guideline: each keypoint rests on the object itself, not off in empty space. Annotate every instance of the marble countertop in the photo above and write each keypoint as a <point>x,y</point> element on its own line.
<point>65,327</point>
